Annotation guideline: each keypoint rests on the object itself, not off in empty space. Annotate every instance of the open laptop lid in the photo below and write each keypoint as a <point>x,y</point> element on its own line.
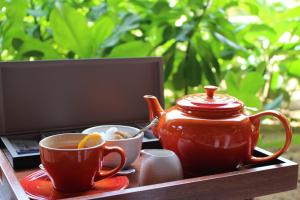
<point>69,94</point>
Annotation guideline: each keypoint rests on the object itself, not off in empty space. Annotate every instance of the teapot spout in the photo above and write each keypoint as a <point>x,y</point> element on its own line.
<point>155,109</point>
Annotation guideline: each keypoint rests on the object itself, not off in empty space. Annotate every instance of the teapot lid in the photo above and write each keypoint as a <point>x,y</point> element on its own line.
<point>210,101</point>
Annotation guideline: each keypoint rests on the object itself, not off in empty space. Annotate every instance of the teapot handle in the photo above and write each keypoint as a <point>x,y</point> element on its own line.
<point>288,135</point>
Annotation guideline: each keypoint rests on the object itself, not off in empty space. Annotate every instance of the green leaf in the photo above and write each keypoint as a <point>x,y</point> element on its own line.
<point>285,26</point>
<point>291,13</point>
<point>34,53</point>
<point>130,21</point>
<point>232,83</point>
<point>228,42</point>
<point>263,28</point>
<point>17,43</point>
<point>221,25</point>
<point>161,7</point>
<point>2,4</point>
<point>209,74</point>
<point>131,49</point>
<point>266,12</point>
<point>185,32</point>
<point>70,30</point>
<point>13,26</point>
<point>252,83</point>
<point>215,64</point>
<point>276,81</point>
<point>38,12</point>
<point>255,31</point>
<point>168,32</point>
<point>169,58</point>
<point>155,35</point>
<point>34,31</point>
<point>245,88</point>
<point>293,67</point>
<point>192,68</point>
<point>16,11</point>
<point>261,68</point>
<point>227,53</point>
<point>169,66</point>
<point>102,29</point>
<point>209,60</point>
<point>195,3</point>
<point>250,100</point>
<point>178,80</point>
<point>33,45</point>
<point>13,31</point>
<point>252,7</point>
<point>275,104</point>
<point>97,11</point>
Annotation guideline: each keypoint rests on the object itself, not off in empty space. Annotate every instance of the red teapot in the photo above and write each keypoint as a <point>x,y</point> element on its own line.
<point>210,132</point>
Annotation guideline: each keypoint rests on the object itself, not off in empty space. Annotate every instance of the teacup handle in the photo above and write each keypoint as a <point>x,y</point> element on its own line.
<point>288,135</point>
<point>107,150</point>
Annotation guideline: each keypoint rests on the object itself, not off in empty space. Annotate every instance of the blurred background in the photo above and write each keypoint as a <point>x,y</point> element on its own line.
<point>249,48</point>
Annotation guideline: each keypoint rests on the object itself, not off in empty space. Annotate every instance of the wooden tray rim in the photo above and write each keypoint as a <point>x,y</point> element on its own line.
<point>286,163</point>
<point>19,192</point>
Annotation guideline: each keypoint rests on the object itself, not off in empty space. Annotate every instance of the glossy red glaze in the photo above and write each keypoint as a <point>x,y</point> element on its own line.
<point>38,186</point>
<point>75,170</point>
<point>210,101</point>
<point>213,139</point>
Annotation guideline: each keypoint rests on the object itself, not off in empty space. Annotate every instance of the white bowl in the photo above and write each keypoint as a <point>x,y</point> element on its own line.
<point>131,146</point>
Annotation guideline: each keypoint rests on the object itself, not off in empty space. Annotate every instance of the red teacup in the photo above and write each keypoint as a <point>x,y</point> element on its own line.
<point>75,170</point>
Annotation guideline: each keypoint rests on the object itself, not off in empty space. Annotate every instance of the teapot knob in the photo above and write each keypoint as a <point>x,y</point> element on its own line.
<point>210,90</point>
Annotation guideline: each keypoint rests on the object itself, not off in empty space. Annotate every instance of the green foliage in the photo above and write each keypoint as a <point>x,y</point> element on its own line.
<point>276,142</point>
<point>131,49</point>
<point>70,30</point>
<point>249,47</point>
<point>245,87</point>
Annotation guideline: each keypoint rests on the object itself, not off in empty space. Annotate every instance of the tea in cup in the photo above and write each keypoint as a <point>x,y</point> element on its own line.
<point>73,169</point>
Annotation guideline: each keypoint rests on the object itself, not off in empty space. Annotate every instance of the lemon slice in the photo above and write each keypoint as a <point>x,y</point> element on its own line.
<point>90,140</point>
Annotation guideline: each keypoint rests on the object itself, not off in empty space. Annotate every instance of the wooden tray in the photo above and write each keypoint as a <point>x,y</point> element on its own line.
<point>45,96</point>
<point>252,181</point>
